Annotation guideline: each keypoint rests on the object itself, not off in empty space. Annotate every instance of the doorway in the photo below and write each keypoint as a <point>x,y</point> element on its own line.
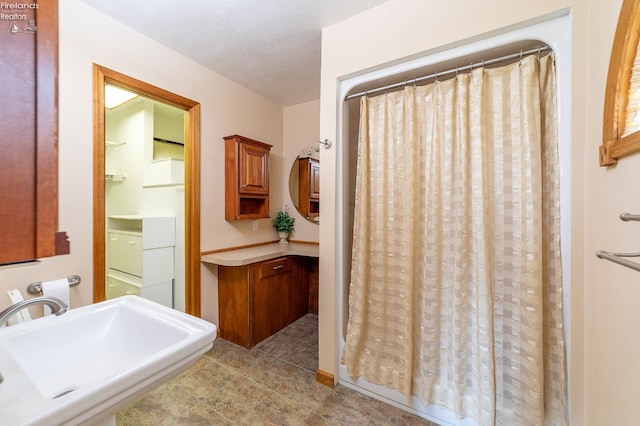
<point>103,77</point>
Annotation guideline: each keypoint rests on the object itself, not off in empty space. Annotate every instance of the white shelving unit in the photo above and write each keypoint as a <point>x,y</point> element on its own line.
<point>140,257</point>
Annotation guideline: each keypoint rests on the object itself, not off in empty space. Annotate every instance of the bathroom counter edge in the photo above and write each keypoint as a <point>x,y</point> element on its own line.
<point>249,255</point>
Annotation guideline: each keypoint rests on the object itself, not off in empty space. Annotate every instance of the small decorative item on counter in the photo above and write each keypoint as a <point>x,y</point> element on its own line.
<point>283,223</point>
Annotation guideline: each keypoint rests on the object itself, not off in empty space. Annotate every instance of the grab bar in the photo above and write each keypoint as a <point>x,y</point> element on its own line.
<point>36,287</point>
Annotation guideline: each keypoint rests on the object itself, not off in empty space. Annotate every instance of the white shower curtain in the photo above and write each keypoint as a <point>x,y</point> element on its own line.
<point>456,284</point>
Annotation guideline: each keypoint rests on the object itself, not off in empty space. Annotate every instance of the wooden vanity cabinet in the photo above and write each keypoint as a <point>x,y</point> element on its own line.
<point>246,178</point>
<point>309,187</point>
<point>257,300</point>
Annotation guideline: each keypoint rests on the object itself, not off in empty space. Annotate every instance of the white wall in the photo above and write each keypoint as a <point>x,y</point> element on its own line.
<point>87,36</point>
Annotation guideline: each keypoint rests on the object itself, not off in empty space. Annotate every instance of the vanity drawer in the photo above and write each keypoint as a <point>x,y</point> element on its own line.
<point>118,285</point>
<point>121,284</point>
<point>273,267</point>
<point>125,252</point>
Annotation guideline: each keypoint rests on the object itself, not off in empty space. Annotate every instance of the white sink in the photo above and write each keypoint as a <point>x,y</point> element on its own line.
<point>85,365</point>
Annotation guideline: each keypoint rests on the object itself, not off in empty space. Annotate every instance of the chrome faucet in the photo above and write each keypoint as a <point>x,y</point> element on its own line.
<point>57,306</point>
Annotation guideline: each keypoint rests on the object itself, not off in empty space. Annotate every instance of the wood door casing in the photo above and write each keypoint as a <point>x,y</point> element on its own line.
<point>102,76</point>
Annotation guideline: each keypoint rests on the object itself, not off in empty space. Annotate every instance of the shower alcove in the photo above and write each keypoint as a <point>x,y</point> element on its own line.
<point>553,31</point>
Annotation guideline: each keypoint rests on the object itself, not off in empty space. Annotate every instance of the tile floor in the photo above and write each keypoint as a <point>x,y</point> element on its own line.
<point>272,384</point>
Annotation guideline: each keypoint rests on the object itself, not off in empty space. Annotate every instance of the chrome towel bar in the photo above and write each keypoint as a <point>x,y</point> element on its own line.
<point>619,258</point>
<point>628,216</point>
<point>36,287</point>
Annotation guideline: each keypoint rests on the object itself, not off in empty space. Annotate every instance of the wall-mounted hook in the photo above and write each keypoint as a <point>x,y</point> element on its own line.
<point>327,143</point>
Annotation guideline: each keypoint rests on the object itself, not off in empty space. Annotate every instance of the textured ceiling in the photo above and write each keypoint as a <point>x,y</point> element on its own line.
<point>271,47</point>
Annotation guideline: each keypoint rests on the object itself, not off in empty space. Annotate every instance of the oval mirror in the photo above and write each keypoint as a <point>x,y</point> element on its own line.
<point>304,183</point>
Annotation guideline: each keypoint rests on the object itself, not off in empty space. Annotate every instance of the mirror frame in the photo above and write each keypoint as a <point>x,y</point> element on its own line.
<point>614,146</point>
<point>295,165</point>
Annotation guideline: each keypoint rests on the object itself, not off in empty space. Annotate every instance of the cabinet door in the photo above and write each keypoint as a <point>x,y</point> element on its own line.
<point>233,304</point>
<point>253,169</point>
<point>314,180</point>
<point>297,289</point>
<point>270,297</point>
<point>28,141</point>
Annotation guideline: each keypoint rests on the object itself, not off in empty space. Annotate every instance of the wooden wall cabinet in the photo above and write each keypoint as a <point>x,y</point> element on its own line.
<point>246,178</point>
<point>29,137</point>
<point>309,187</point>
<point>257,300</point>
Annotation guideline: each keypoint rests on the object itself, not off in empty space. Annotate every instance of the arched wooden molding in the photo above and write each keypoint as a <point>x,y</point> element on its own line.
<point>614,145</point>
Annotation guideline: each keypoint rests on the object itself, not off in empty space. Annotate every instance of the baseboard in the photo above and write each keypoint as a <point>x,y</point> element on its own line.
<point>325,378</point>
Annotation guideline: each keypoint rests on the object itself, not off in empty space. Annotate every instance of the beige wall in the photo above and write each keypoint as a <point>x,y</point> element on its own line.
<point>86,37</point>
<point>301,128</point>
<point>612,292</point>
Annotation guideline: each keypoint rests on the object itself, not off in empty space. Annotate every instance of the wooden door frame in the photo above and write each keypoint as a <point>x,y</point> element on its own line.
<point>102,76</point>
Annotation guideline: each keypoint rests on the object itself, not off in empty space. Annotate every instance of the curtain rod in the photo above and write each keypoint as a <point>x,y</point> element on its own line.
<point>437,74</point>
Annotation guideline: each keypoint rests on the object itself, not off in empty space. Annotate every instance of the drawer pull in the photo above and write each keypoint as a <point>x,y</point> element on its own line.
<point>132,242</point>
<point>278,267</point>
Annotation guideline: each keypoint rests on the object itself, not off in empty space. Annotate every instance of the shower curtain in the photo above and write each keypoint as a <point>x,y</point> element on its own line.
<point>456,281</point>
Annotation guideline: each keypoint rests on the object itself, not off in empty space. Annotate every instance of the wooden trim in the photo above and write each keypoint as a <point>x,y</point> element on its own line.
<point>99,239</point>
<point>193,303</point>
<point>222,250</point>
<point>101,76</point>
<point>618,80</point>
<point>62,243</point>
<point>266,243</point>
<point>325,378</point>
<point>46,46</point>
<point>311,243</point>
<point>253,141</point>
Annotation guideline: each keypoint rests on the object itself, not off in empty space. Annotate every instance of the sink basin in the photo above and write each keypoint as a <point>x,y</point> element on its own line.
<point>87,364</point>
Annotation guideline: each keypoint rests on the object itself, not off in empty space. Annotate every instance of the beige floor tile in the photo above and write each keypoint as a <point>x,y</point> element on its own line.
<point>272,384</point>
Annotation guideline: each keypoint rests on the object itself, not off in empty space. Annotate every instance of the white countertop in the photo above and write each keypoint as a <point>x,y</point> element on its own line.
<point>246,256</point>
